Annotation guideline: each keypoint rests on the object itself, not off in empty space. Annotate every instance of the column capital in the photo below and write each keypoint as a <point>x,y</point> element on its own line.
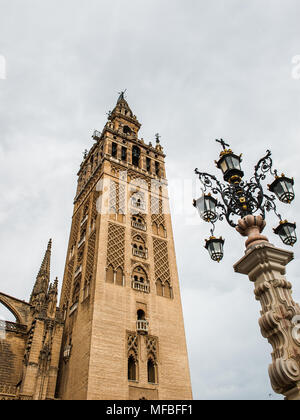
<point>264,261</point>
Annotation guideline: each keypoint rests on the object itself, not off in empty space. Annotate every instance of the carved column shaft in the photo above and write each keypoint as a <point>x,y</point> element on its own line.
<point>265,266</point>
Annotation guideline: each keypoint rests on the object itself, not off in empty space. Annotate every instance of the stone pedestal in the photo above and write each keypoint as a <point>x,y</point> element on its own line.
<point>265,266</point>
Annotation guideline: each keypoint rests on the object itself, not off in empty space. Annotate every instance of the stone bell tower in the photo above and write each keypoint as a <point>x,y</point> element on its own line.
<point>124,334</point>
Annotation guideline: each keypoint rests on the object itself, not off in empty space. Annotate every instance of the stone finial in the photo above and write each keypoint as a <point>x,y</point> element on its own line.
<point>252,226</point>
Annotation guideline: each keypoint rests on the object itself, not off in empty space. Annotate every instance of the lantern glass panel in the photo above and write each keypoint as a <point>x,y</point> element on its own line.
<point>283,188</point>
<point>215,248</point>
<point>206,206</point>
<point>224,166</point>
<point>287,233</point>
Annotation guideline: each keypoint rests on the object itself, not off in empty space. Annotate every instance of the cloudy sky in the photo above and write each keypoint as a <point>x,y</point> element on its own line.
<point>194,71</point>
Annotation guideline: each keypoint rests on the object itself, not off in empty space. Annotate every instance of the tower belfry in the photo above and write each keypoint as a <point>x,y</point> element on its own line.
<point>124,333</point>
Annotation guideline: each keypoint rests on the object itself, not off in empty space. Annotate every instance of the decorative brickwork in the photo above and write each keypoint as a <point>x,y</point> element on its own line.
<point>115,246</point>
<point>161,260</point>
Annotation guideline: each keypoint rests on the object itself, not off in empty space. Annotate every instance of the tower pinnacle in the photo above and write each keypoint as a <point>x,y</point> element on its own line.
<point>42,280</point>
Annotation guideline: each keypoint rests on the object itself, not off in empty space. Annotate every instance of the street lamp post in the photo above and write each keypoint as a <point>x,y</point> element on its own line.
<point>244,205</point>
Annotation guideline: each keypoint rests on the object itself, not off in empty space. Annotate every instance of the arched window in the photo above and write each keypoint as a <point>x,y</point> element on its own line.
<point>132,371</point>
<point>155,228</point>
<point>159,288</point>
<point>140,280</point>
<point>110,274</point>
<point>161,231</point>
<point>138,247</point>
<point>168,290</point>
<point>138,222</point>
<point>136,156</point>
<point>119,277</point>
<point>151,371</point>
<point>126,129</point>
<point>140,315</point>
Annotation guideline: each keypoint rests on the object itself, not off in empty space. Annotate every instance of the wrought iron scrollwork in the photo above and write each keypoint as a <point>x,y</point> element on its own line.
<point>243,197</point>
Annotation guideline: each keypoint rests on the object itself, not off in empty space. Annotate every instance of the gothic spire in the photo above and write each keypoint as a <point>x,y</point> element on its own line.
<point>42,279</point>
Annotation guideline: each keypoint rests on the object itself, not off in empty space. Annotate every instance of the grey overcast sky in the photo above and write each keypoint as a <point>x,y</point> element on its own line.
<point>194,71</point>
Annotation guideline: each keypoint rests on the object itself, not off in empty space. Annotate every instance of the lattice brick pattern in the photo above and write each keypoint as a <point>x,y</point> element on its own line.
<point>90,260</point>
<point>113,197</point>
<point>156,211</point>
<point>68,282</point>
<point>132,344</point>
<point>152,346</point>
<point>115,246</point>
<point>94,207</point>
<point>161,260</point>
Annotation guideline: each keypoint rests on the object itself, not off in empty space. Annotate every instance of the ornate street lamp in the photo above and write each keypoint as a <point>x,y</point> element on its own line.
<point>244,205</point>
<point>287,232</point>
<point>206,206</point>
<point>215,248</point>
<point>283,188</point>
<point>241,198</point>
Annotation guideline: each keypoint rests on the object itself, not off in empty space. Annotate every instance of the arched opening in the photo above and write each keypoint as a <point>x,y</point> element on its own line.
<point>151,371</point>
<point>138,247</point>
<point>140,280</point>
<point>132,369</point>
<point>126,129</point>
<point>154,228</point>
<point>168,290</point>
<point>6,314</point>
<point>161,231</point>
<point>159,288</point>
<point>119,277</point>
<point>141,315</point>
<point>136,156</point>
<point>110,274</point>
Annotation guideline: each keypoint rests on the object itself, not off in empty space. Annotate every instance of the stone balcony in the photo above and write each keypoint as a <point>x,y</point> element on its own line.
<point>142,326</point>
<point>141,287</point>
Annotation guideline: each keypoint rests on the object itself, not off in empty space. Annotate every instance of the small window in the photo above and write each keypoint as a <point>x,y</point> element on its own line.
<point>140,315</point>
<point>157,169</point>
<point>124,153</point>
<point>126,129</point>
<point>148,164</point>
<point>131,369</point>
<point>151,372</point>
<point>114,149</point>
<point>136,156</point>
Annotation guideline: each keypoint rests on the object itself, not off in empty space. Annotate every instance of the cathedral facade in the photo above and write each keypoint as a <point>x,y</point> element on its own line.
<point>118,331</point>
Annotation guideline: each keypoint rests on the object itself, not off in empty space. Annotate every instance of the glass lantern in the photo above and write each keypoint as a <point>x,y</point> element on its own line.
<point>286,232</point>
<point>215,248</point>
<point>283,188</point>
<point>206,206</point>
<point>230,165</point>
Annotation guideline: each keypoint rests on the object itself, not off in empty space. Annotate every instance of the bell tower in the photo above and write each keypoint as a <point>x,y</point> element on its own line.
<point>124,334</point>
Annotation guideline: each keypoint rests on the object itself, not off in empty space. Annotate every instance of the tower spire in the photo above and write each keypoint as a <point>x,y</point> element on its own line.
<point>42,279</point>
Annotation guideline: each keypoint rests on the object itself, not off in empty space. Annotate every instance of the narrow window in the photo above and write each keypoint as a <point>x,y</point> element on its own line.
<point>136,156</point>
<point>119,277</point>
<point>140,315</point>
<point>131,369</point>
<point>126,129</point>
<point>157,170</point>
<point>110,275</point>
<point>148,164</point>
<point>114,150</point>
<point>124,153</point>
<point>151,371</point>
